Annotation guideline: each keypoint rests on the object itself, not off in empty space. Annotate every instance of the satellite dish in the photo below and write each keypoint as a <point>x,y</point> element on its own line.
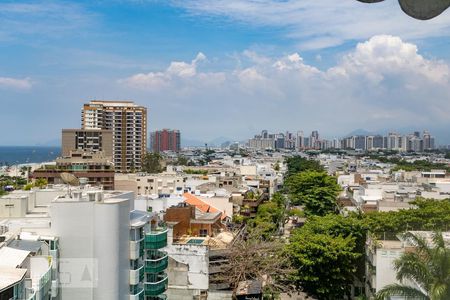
<point>70,179</point>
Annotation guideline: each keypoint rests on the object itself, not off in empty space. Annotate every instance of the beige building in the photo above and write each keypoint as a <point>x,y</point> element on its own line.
<point>151,184</point>
<point>97,169</point>
<point>128,123</point>
<point>94,140</point>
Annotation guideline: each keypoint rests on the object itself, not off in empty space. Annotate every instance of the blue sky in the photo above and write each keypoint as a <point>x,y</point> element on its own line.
<point>224,67</point>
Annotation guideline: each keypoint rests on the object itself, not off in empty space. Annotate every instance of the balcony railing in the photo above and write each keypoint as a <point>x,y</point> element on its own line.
<point>137,293</point>
<point>156,285</point>
<point>156,261</point>
<point>156,238</point>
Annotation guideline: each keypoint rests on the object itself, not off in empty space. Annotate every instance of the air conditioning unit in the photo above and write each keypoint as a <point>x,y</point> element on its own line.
<point>91,197</point>
<point>77,195</point>
<point>98,196</point>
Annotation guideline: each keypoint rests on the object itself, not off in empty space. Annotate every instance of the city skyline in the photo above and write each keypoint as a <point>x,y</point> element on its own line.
<point>237,66</point>
<point>363,141</point>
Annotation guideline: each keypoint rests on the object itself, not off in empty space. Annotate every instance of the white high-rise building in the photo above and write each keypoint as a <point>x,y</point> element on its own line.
<point>94,234</point>
<point>128,123</point>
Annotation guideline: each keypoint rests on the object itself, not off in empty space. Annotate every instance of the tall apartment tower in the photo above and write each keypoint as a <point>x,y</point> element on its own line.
<point>427,140</point>
<point>299,140</point>
<point>128,123</point>
<point>165,140</point>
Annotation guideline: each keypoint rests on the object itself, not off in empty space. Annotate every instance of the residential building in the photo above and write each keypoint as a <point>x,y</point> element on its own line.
<point>165,183</point>
<point>189,219</point>
<point>88,140</point>
<point>95,245</point>
<point>27,267</point>
<point>165,140</point>
<point>381,252</point>
<point>128,123</point>
<point>91,167</point>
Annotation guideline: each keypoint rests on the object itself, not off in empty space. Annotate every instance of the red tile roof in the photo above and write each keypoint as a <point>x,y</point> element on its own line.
<point>200,204</point>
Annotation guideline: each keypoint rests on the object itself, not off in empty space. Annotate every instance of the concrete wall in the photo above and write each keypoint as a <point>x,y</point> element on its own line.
<point>221,203</point>
<point>197,261</point>
<point>73,223</point>
<point>220,295</point>
<point>111,250</point>
<point>13,206</point>
<point>248,170</point>
<point>385,269</point>
<point>94,248</point>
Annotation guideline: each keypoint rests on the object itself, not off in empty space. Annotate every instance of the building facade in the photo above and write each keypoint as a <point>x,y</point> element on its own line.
<point>128,123</point>
<point>91,140</point>
<point>165,140</point>
<point>97,169</point>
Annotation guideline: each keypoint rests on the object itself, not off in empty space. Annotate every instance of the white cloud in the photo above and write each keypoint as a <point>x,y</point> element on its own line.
<point>49,19</point>
<point>384,82</point>
<point>182,69</point>
<point>177,70</point>
<point>14,83</point>
<point>324,23</point>
<point>386,54</point>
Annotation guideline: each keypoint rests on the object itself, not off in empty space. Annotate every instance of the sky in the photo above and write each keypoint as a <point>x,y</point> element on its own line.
<point>224,68</point>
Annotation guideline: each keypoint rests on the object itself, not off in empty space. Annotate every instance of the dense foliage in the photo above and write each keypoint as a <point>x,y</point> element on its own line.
<point>325,263</point>
<point>316,191</point>
<point>417,165</point>
<point>268,217</point>
<point>318,235</point>
<point>16,182</point>
<point>152,163</point>
<point>192,171</point>
<point>297,164</point>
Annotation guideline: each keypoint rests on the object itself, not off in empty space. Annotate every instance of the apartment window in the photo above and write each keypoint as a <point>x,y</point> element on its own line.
<point>134,264</point>
<point>203,232</point>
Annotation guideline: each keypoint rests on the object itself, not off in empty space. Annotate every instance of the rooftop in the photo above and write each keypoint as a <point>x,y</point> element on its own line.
<point>31,246</point>
<point>13,258</point>
<point>202,206</point>
<point>10,276</point>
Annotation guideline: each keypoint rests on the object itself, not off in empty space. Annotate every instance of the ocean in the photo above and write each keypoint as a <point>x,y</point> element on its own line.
<point>14,155</point>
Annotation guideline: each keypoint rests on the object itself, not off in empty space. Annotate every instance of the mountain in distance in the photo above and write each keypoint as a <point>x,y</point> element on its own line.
<point>185,142</point>
<point>217,142</point>
<point>361,131</point>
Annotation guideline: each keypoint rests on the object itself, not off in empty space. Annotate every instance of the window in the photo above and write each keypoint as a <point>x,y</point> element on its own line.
<point>203,232</point>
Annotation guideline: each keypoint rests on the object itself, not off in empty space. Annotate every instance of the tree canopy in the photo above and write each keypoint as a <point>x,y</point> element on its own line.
<point>297,164</point>
<point>324,238</point>
<point>152,163</point>
<point>317,191</point>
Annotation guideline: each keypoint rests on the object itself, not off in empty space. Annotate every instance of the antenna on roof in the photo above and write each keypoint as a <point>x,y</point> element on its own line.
<point>70,180</point>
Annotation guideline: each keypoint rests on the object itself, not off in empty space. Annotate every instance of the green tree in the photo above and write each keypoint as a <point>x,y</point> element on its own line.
<point>428,266</point>
<point>41,183</point>
<point>325,264</point>
<point>297,164</point>
<point>182,161</point>
<point>152,163</point>
<point>276,167</point>
<point>317,191</point>
<point>268,217</point>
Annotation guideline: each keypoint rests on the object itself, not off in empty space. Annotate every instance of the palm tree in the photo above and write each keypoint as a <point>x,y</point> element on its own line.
<point>428,266</point>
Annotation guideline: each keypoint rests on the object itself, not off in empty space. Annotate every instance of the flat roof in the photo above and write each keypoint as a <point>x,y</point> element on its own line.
<point>10,276</point>
<point>31,246</point>
<point>13,258</point>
